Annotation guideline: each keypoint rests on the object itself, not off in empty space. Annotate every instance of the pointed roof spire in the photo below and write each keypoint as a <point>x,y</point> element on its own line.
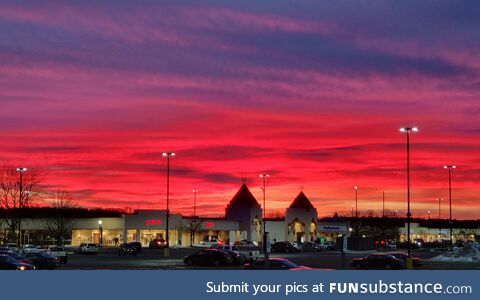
<point>243,197</point>
<point>301,201</point>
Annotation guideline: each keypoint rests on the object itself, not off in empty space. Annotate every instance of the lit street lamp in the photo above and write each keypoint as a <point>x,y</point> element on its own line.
<point>408,130</point>
<point>195,191</point>
<point>429,214</point>
<point>356,201</point>
<point>449,168</point>
<point>100,228</point>
<point>265,249</point>
<point>167,245</point>
<point>21,201</point>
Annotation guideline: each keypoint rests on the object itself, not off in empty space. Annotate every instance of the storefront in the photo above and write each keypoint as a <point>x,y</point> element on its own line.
<point>105,231</point>
<point>146,225</point>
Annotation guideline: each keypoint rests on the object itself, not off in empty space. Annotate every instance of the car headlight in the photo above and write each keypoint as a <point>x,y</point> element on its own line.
<point>21,268</point>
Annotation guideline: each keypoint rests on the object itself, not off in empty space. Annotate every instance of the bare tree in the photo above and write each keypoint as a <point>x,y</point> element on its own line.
<point>17,191</point>
<point>59,226</point>
<point>192,226</point>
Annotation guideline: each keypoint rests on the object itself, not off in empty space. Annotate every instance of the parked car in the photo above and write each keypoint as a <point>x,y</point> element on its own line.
<point>127,249</point>
<point>245,243</point>
<point>311,247</point>
<point>274,264</point>
<point>377,261</point>
<point>298,246</point>
<point>137,245</point>
<point>7,262</point>
<point>237,257</point>
<point>208,257</point>
<point>89,249</point>
<point>157,244</point>
<point>42,260</point>
<point>328,245</point>
<point>248,253</point>
<point>211,243</point>
<point>283,247</point>
<point>33,248</point>
<point>5,250</point>
<point>14,247</point>
<point>403,256</point>
<point>404,245</point>
<point>58,251</point>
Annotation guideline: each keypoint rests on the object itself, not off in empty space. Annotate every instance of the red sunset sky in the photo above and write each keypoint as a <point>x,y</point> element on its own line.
<point>312,93</point>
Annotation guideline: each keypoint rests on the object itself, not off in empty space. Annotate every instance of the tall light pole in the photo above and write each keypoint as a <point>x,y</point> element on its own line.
<point>408,130</point>
<point>265,249</point>
<point>356,201</point>
<point>429,214</point>
<point>439,208</point>
<point>195,191</point>
<point>100,229</point>
<point>449,168</point>
<point>21,201</point>
<point>168,155</point>
<point>383,205</point>
<point>353,214</point>
<point>439,217</point>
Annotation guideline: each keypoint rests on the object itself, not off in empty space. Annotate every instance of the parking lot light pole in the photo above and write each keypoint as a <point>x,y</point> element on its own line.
<point>195,191</point>
<point>265,248</point>
<point>383,205</point>
<point>439,217</point>
<point>356,201</point>
<point>407,131</point>
<point>21,201</point>
<point>167,244</point>
<point>100,229</point>
<point>449,168</point>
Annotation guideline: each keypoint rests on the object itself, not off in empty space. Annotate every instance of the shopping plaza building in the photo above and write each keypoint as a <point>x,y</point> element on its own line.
<point>242,221</point>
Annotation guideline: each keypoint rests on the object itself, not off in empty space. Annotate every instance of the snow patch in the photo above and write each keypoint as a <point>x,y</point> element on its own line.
<point>469,253</point>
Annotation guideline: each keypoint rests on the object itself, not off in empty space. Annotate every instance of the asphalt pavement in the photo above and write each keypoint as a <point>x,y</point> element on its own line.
<point>151,259</point>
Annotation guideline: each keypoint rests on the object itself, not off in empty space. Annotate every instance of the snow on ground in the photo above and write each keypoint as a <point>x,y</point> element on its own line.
<point>469,253</point>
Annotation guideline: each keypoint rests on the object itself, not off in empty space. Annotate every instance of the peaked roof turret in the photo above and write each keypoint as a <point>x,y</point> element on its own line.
<point>243,197</point>
<point>301,201</point>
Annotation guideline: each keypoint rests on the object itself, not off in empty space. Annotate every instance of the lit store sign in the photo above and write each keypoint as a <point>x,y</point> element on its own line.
<point>153,222</point>
<point>209,225</point>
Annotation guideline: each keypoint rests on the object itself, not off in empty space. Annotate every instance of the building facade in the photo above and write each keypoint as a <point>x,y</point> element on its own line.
<point>243,221</point>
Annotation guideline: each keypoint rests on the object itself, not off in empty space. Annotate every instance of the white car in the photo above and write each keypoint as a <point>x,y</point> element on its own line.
<point>88,249</point>
<point>29,248</point>
<point>211,243</point>
<point>58,251</point>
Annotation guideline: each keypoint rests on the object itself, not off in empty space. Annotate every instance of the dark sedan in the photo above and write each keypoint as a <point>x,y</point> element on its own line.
<point>377,261</point>
<point>127,249</point>
<point>274,264</point>
<point>41,260</point>
<point>209,257</point>
<point>157,244</point>
<point>8,262</point>
<point>285,247</point>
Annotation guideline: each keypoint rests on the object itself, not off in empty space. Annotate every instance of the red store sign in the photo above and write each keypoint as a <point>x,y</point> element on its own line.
<point>152,222</point>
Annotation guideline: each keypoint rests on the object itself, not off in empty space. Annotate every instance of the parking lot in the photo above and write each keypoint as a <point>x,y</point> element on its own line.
<point>150,259</point>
